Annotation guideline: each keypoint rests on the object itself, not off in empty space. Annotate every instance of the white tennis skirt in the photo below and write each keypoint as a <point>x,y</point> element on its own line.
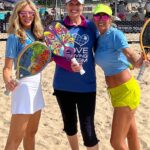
<point>27,97</point>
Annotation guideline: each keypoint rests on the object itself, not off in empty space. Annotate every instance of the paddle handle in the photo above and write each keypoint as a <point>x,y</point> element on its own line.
<point>141,72</point>
<point>7,92</point>
<point>82,71</point>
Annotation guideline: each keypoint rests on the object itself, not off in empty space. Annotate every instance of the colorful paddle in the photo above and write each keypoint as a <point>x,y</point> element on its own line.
<point>32,60</point>
<point>60,42</point>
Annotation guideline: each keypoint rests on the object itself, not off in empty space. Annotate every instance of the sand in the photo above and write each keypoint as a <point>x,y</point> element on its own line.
<point>50,135</point>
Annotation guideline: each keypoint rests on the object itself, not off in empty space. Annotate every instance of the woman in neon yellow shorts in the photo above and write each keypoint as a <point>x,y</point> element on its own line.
<point>113,56</point>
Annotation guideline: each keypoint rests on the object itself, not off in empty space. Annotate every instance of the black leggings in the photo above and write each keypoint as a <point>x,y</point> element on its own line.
<point>69,103</point>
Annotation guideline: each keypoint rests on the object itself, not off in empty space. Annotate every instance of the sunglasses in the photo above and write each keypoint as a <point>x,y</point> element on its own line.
<point>25,13</point>
<point>103,17</point>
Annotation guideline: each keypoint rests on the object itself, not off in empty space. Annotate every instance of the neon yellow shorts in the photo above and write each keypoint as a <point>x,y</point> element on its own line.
<point>127,94</point>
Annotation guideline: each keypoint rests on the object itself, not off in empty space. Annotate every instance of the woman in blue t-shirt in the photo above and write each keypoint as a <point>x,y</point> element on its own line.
<point>113,55</point>
<point>26,99</point>
<point>75,92</point>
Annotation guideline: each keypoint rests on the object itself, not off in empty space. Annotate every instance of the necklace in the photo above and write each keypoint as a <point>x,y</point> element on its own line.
<point>29,37</point>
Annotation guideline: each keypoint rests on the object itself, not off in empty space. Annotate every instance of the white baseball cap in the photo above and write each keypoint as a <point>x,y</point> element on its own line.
<point>80,1</point>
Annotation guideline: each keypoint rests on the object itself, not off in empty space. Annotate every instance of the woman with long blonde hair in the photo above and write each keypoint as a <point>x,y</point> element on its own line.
<point>16,27</point>
<point>26,100</point>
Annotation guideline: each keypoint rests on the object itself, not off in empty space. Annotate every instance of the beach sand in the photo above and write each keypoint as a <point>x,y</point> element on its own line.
<point>50,135</point>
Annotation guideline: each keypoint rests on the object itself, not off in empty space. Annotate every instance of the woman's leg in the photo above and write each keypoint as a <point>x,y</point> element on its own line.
<point>86,108</point>
<point>96,147</point>
<point>29,137</point>
<point>122,119</point>
<point>67,104</point>
<point>132,136</point>
<point>73,141</point>
<point>18,126</point>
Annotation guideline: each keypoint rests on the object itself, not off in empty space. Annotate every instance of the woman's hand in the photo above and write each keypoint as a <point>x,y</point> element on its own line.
<point>139,62</point>
<point>76,67</point>
<point>10,85</point>
<point>142,60</point>
<point>148,57</point>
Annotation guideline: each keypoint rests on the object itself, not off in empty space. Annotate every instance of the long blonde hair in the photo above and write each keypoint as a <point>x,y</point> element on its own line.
<point>15,26</point>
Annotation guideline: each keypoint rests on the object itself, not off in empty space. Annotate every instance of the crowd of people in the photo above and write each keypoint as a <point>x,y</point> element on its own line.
<point>76,98</point>
<point>124,13</point>
<point>6,6</point>
<point>138,11</point>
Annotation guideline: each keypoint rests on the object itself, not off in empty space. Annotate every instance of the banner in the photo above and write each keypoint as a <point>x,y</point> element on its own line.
<point>129,26</point>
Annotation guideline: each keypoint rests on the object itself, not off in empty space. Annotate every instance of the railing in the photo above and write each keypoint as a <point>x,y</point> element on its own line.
<point>125,26</point>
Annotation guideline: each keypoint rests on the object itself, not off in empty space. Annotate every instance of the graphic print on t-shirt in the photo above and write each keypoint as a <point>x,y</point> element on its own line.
<point>81,50</point>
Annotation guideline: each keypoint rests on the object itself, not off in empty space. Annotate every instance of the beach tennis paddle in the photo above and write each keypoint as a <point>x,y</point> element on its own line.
<point>32,60</point>
<point>60,42</point>
<point>145,46</point>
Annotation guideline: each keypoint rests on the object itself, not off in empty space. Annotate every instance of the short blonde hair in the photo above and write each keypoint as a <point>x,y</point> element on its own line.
<point>15,26</point>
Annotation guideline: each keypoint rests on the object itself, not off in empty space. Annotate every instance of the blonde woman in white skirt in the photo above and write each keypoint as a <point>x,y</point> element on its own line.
<point>26,100</point>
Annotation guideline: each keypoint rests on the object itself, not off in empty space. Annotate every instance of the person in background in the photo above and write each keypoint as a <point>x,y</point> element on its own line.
<point>26,100</point>
<point>121,10</point>
<point>61,16</point>
<point>112,5</point>
<point>147,8</point>
<point>76,93</point>
<point>135,17</point>
<point>7,16</point>
<point>113,56</point>
<point>47,19</point>
<point>2,6</point>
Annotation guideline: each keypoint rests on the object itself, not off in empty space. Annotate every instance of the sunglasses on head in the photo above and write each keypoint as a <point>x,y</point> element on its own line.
<point>25,13</point>
<point>103,17</point>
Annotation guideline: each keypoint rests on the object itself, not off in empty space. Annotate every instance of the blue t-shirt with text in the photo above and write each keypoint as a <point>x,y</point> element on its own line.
<point>85,41</point>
